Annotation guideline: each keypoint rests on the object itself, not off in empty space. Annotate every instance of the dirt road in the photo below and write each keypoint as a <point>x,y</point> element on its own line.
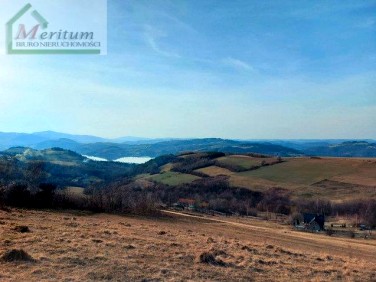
<point>300,241</point>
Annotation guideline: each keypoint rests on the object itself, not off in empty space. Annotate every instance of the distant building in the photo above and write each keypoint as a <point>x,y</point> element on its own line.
<point>313,222</point>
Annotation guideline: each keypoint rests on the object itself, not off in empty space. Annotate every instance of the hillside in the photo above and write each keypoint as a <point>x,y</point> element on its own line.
<point>343,178</point>
<point>345,149</point>
<point>158,238</point>
<point>99,247</point>
<point>335,179</point>
<point>114,151</point>
<point>58,166</point>
<point>116,148</point>
<point>37,139</point>
<point>48,155</point>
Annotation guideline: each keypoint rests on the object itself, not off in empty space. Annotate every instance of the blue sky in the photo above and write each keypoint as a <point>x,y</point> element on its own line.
<point>231,69</point>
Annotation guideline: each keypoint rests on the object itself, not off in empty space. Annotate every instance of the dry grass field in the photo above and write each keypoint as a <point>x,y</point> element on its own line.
<point>334,179</point>
<point>83,247</point>
<point>215,171</point>
<point>243,161</point>
<point>307,171</point>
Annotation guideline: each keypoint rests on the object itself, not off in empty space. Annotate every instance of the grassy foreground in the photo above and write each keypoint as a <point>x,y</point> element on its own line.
<point>100,247</point>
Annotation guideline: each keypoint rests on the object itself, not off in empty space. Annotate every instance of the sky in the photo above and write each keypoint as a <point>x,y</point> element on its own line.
<point>193,68</point>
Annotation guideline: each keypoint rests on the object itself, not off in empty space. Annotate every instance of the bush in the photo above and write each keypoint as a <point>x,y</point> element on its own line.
<point>22,229</point>
<point>2,197</point>
<point>209,258</point>
<point>17,255</point>
<point>44,198</point>
<point>18,195</point>
<point>275,200</point>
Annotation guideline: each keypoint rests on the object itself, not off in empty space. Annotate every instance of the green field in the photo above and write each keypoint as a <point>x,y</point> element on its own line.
<point>173,178</point>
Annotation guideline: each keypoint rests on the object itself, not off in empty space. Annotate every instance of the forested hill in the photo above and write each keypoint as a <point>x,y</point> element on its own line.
<point>345,149</point>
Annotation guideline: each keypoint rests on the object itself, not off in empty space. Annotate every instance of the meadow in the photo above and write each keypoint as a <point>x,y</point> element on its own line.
<point>335,179</point>
<point>173,178</point>
<point>77,246</point>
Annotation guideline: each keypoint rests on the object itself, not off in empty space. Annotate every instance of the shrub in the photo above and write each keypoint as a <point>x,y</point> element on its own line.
<point>45,196</point>
<point>18,195</point>
<point>2,197</point>
<point>22,229</point>
<point>17,255</point>
<point>209,258</point>
<point>275,200</point>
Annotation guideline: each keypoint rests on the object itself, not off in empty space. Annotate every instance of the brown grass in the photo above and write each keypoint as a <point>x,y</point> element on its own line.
<point>244,162</point>
<point>75,247</point>
<point>215,171</point>
<point>300,175</point>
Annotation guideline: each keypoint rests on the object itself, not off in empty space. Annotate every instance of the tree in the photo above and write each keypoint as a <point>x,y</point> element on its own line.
<point>275,200</point>
<point>18,195</point>
<point>45,195</point>
<point>35,173</point>
<point>369,215</point>
<point>2,197</point>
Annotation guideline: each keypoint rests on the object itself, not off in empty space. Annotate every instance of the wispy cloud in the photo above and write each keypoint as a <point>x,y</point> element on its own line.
<point>289,65</point>
<point>152,36</point>
<point>237,64</point>
<point>177,23</point>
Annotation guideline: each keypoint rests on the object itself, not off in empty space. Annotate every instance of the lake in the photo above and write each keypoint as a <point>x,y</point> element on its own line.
<point>134,160</point>
<point>128,160</point>
<point>95,158</point>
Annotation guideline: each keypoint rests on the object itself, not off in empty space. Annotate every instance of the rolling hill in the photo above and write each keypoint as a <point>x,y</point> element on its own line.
<point>58,166</point>
<point>40,140</point>
<point>334,179</point>
<point>345,149</point>
<point>113,149</point>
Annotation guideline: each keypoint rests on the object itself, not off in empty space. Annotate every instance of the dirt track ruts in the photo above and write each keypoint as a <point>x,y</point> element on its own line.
<point>301,241</point>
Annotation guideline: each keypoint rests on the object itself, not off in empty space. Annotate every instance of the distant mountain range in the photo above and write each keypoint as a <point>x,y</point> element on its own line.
<point>12,139</point>
<point>112,149</point>
<point>345,149</point>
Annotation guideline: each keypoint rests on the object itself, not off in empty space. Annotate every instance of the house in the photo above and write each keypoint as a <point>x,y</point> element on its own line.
<point>313,222</point>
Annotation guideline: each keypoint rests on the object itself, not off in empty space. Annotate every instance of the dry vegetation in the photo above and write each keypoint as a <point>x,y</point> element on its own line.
<point>84,247</point>
<point>173,178</point>
<point>244,162</point>
<point>215,171</point>
<point>299,175</point>
<point>308,171</point>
